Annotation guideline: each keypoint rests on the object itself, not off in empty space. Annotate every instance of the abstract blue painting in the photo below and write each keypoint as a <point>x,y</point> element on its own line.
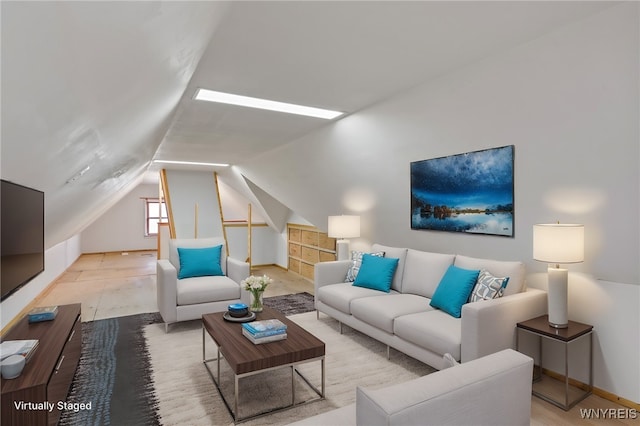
<point>471,192</point>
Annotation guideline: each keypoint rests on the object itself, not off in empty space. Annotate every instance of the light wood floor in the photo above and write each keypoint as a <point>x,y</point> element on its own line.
<point>112,284</point>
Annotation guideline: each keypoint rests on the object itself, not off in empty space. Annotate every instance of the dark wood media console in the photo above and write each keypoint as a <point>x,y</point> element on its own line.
<point>47,376</point>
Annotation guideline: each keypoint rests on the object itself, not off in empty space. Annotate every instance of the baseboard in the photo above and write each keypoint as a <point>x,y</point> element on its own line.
<point>120,252</point>
<point>596,391</point>
<point>266,265</point>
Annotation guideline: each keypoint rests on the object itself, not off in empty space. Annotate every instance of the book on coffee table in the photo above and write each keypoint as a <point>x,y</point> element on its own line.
<point>265,327</point>
<point>265,339</point>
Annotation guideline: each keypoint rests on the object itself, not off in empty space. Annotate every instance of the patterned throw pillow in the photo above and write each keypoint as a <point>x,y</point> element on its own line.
<point>488,287</point>
<point>356,262</point>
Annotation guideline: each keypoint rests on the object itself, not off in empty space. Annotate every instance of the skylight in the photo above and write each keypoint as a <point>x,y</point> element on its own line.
<point>246,101</point>
<point>191,163</point>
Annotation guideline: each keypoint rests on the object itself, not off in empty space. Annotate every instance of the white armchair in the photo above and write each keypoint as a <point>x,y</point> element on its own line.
<point>188,298</point>
<point>491,390</point>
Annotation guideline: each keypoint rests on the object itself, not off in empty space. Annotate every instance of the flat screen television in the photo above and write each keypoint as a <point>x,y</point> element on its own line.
<point>22,238</point>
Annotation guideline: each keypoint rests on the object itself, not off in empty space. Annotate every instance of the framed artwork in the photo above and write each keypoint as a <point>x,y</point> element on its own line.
<point>471,192</point>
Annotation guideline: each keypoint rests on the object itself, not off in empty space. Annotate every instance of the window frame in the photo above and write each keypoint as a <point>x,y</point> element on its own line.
<point>148,218</point>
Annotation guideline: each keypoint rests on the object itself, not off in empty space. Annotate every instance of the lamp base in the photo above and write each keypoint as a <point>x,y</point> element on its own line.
<point>557,297</point>
<point>342,250</point>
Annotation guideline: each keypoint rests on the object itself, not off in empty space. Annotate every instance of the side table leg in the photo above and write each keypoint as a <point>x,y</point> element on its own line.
<point>566,375</point>
<point>590,362</point>
<point>540,357</point>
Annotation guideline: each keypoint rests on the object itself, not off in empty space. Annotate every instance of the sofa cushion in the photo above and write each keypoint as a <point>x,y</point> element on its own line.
<point>339,296</point>
<point>397,253</point>
<point>423,271</point>
<point>191,291</point>
<point>376,272</point>
<point>514,270</point>
<point>381,311</point>
<point>199,262</point>
<point>454,290</point>
<point>488,287</point>
<point>434,330</point>
<point>356,261</point>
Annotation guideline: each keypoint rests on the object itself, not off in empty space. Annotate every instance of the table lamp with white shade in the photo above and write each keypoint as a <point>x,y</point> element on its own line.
<point>343,227</point>
<point>558,243</point>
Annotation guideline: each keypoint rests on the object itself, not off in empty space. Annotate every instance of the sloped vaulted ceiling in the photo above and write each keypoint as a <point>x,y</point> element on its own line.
<point>88,91</point>
<point>93,91</point>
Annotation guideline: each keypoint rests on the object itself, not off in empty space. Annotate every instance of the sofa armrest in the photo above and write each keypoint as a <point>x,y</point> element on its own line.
<point>326,273</point>
<point>333,272</point>
<point>493,390</point>
<point>166,291</point>
<point>238,271</point>
<point>490,326</point>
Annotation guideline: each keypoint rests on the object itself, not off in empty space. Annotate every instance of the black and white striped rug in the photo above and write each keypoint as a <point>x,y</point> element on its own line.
<point>114,372</point>
<point>113,375</point>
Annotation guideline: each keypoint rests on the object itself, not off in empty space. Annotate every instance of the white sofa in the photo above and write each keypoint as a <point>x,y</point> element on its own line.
<point>403,318</point>
<point>492,390</point>
<point>188,298</point>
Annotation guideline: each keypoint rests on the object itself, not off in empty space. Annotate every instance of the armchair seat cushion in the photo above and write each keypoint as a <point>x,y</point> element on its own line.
<point>435,329</point>
<point>198,290</point>
<point>339,296</point>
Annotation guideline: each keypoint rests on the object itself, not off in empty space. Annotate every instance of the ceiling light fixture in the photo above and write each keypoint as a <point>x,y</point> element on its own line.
<point>191,163</point>
<point>246,101</point>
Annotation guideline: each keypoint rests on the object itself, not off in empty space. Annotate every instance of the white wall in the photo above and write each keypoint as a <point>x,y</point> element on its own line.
<point>193,197</point>
<point>56,260</point>
<point>235,207</point>
<point>122,227</point>
<point>568,101</point>
<point>263,243</point>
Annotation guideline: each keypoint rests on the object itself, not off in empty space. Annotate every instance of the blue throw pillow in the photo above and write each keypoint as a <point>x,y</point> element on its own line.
<point>199,262</point>
<point>376,272</point>
<point>454,290</point>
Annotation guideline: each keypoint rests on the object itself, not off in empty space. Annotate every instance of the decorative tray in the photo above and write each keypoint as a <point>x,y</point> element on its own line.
<point>250,317</point>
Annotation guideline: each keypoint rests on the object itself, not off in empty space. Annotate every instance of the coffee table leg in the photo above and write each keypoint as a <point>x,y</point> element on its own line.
<point>233,410</point>
<point>322,367</point>
<point>237,383</point>
<point>293,386</point>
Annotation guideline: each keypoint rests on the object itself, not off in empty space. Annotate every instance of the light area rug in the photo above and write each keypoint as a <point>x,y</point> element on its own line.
<point>187,395</point>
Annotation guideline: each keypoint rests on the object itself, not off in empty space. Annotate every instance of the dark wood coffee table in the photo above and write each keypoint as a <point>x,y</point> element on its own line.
<point>247,359</point>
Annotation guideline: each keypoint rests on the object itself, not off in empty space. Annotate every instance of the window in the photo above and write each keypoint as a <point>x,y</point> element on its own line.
<point>155,212</point>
